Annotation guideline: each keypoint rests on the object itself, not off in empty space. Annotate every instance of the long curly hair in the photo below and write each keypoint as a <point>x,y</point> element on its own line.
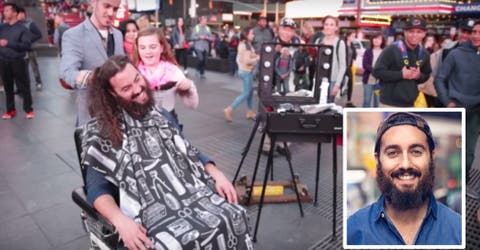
<point>167,54</point>
<point>102,104</point>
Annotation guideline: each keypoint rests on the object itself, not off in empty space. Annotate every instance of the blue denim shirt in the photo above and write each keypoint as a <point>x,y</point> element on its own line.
<point>371,226</point>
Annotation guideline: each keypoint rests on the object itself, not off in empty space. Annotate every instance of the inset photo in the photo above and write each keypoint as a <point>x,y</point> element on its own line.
<point>403,178</point>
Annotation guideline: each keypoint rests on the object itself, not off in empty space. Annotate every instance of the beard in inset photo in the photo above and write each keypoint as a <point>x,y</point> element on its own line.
<point>134,108</point>
<point>404,200</point>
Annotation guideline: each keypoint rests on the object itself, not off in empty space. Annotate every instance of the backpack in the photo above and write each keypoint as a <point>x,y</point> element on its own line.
<point>345,75</point>
<point>405,60</point>
<point>316,38</point>
<point>233,45</point>
<point>197,28</point>
<point>420,101</point>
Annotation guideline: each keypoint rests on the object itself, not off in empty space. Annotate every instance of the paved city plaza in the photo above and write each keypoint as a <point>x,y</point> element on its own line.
<point>39,169</point>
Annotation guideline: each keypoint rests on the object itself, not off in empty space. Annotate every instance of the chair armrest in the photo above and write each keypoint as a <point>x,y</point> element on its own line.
<point>80,198</point>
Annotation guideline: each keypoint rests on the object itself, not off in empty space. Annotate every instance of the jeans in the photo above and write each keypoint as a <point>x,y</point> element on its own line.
<point>349,84</point>
<point>32,58</point>
<point>202,61</point>
<point>232,61</point>
<point>283,84</point>
<point>247,93</point>
<point>368,92</point>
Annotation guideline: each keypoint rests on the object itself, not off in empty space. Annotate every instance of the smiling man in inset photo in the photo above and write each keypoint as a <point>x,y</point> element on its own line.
<point>406,213</point>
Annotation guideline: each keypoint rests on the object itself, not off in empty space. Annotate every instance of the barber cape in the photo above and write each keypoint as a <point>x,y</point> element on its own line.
<point>164,186</point>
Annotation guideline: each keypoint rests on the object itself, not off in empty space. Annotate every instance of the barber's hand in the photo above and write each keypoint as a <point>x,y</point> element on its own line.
<point>83,79</point>
<point>133,235</point>
<point>225,189</point>
<point>335,90</point>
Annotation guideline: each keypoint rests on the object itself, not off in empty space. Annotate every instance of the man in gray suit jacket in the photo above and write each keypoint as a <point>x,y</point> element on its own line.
<point>87,46</point>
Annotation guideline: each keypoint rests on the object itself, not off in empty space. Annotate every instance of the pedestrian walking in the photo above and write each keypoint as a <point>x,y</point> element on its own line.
<point>247,60</point>
<point>201,37</point>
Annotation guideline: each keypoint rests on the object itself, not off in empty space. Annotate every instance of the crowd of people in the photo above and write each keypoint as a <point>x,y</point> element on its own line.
<point>126,81</point>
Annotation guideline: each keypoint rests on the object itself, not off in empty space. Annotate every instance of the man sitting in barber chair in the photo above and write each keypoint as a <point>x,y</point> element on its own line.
<point>170,195</point>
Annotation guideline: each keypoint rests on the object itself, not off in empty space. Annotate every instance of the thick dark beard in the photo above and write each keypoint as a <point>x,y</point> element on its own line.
<point>136,109</point>
<point>409,199</point>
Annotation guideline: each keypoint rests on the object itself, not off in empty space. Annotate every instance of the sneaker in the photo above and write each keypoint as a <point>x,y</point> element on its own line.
<point>39,86</point>
<point>10,114</point>
<point>350,105</point>
<point>30,115</point>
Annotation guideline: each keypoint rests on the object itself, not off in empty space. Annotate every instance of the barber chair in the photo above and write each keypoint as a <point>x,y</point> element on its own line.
<point>102,233</point>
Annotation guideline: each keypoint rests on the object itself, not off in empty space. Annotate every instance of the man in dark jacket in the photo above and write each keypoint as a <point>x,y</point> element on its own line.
<point>458,85</point>
<point>402,66</point>
<point>35,35</point>
<point>14,43</point>
<point>262,33</point>
<point>465,28</point>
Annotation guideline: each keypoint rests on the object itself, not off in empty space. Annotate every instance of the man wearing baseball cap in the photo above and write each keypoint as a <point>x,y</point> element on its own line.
<point>286,35</point>
<point>402,66</point>
<point>465,28</point>
<point>464,33</point>
<point>286,31</point>
<point>406,213</point>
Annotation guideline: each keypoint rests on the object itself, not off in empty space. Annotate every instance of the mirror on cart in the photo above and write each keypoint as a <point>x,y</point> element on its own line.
<point>296,88</point>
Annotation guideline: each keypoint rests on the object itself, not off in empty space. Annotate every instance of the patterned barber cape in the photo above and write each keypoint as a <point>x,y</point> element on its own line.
<point>164,186</point>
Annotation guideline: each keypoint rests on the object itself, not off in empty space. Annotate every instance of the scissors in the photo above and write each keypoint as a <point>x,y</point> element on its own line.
<point>136,132</point>
<point>105,145</point>
<point>187,213</point>
<point>232,239</point>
